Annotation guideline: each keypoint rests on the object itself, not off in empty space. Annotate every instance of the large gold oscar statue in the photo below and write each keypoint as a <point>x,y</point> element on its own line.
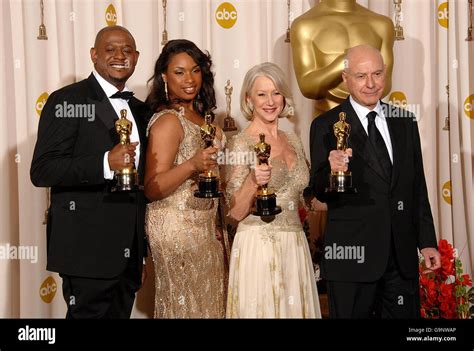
<point>319,40</point>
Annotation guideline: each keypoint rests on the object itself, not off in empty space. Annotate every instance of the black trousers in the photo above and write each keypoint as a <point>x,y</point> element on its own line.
<point>392,296</point>
<point>92,298</point>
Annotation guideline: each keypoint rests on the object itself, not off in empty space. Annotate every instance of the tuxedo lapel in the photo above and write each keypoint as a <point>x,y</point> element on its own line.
<point>103,109</point>
<point>397,136</point>
<point>359,141</point>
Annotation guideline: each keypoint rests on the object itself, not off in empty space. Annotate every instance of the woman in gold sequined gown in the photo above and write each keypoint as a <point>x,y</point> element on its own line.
<point>190,278</point>
<point>271,272</point>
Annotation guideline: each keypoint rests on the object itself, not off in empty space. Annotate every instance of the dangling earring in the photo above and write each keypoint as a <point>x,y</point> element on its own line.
<point>166,90</point>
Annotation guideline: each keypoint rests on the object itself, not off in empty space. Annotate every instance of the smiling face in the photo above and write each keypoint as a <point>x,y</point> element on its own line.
<point>115,57</point>
<point>266,100</point>
<point>184,77</point>
<point>365,76</point>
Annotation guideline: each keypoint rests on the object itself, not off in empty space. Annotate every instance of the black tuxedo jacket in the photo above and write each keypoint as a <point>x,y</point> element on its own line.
<point>91,231</point>
<point>382,208</point>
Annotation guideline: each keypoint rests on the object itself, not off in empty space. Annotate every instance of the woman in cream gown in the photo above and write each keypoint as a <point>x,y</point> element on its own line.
<point>190,275</point>
<point>271,272</point>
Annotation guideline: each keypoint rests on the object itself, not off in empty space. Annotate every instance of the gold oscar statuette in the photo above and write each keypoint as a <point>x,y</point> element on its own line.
<point>164,34</point>
<point>288,33</point>
<point>265,201</point>
<point>208,186</point>
<point>341,182</point>
<point>229,123</point>
<point>42,28</point>
<point>127,178</point>
<point>398,14</point>
<point>446,121</point>
<point>470,7</point>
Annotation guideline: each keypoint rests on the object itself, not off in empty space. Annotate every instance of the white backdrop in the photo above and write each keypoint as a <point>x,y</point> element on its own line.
<point>431,56</point>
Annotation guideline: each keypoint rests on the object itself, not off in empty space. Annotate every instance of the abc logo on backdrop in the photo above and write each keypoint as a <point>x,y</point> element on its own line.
<point>469,106</point>
<point>226,15</point>
<point>111,15</point>
<point>48,289</point>
<point>446,192</point>
<point>398,98</point>
<point>443,15</point>
<point>40,102</point>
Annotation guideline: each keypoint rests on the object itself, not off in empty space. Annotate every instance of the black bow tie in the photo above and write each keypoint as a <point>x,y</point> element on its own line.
<point>126,95</point>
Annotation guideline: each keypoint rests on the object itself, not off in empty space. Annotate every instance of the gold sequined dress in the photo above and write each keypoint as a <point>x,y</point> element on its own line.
<point>271,271</point>
<point>190,278</point>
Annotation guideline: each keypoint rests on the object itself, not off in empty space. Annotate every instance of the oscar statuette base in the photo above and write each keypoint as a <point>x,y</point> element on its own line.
<point>127,181</point>
<point>208,187</point>
<point>341,182</point>
<point>265,205</point>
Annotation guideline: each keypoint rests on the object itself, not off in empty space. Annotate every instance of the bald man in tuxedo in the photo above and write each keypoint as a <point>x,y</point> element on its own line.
<point>370,258</point>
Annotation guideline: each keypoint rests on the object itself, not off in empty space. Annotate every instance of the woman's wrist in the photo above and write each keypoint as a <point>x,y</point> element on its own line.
<point>191,166</point>
<point>251,181</point>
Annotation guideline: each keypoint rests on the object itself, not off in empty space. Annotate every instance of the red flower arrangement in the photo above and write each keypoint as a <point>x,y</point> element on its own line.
<point>445,293</point>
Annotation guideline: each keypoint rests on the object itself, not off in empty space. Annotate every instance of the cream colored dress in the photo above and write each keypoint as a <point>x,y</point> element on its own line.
<point>271,271</point>
<point>190,278</point>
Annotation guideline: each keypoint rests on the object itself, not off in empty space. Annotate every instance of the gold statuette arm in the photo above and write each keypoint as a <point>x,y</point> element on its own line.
<point>313,81</point>
<point>387,53</point>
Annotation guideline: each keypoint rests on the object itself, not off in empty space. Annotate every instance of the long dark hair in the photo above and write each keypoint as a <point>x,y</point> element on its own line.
<point>205,101</point>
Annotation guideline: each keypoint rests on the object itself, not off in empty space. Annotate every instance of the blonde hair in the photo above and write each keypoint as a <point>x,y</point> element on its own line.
<point>273,72</point>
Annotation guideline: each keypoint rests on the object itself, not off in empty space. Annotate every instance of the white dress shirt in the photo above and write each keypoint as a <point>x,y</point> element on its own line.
<point>380,122</point>
<point>118,104</point>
